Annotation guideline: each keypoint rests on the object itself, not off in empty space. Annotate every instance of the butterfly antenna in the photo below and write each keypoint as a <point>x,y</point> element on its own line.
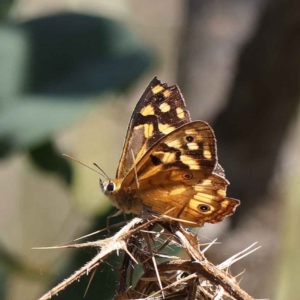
<point>103,173</point>
<point>79,162</point>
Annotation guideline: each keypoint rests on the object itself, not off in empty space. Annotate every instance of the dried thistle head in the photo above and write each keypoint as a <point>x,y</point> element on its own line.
<point>144,243</point>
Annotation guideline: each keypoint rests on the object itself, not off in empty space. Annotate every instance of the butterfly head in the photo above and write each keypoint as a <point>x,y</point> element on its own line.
<point>111,188</point>
<point>108,187</point>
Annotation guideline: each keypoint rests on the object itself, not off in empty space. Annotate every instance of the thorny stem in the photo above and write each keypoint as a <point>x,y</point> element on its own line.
<point>196,278</point>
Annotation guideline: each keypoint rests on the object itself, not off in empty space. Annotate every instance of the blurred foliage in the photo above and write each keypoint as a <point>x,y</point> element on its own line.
<point>52,68</point>
<point>4,275</point>
<point>4,8</point>
<point>9,261</point>
<point>52,71</point>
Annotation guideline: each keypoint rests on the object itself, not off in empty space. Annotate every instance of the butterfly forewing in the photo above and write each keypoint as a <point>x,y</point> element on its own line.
<point>189,147</point>
<point>160,110</point>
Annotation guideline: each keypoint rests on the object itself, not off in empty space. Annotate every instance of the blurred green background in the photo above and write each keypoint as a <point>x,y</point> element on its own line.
<point>71,73</point>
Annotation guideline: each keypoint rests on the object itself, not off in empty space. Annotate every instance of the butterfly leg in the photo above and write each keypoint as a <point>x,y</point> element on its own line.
<point>147,212</point>
<point>114,214</point>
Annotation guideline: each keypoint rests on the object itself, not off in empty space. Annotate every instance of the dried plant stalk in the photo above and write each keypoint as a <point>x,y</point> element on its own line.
<point>144,242</point>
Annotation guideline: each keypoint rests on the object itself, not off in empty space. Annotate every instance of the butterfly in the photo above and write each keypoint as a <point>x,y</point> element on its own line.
<point>169,163</point>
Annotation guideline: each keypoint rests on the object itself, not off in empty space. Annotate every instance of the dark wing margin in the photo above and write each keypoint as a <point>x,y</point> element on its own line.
<point>160,110</point>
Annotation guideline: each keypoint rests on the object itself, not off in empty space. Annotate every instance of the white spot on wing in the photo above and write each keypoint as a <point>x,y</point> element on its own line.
<point>164,107</point>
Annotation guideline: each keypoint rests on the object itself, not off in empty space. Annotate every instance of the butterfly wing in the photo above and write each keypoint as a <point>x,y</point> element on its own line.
<point>182,172</point>
<point>189,147</point>
<point>200,199</point>
<point>160,110</point>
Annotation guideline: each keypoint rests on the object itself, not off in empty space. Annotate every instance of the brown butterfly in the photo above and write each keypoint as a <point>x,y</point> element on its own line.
<point>169,163</point>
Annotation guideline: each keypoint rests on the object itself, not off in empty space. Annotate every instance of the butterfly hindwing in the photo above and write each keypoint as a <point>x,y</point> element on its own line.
<point>160,110</point>
<point>191,195</point>
<point>178,172</point>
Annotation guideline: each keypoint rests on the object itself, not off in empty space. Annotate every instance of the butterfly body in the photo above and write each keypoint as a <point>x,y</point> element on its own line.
<point>169,163</point>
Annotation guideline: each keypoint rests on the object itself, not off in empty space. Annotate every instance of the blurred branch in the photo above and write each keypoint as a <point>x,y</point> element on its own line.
<point>263,100</point>
<point>262,105</point>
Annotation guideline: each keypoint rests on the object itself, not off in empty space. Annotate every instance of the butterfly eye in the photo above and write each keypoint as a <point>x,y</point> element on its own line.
<point>110,187</point>
<point>187,176</point>
<point>203,207</point>
<point>189,138</point>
